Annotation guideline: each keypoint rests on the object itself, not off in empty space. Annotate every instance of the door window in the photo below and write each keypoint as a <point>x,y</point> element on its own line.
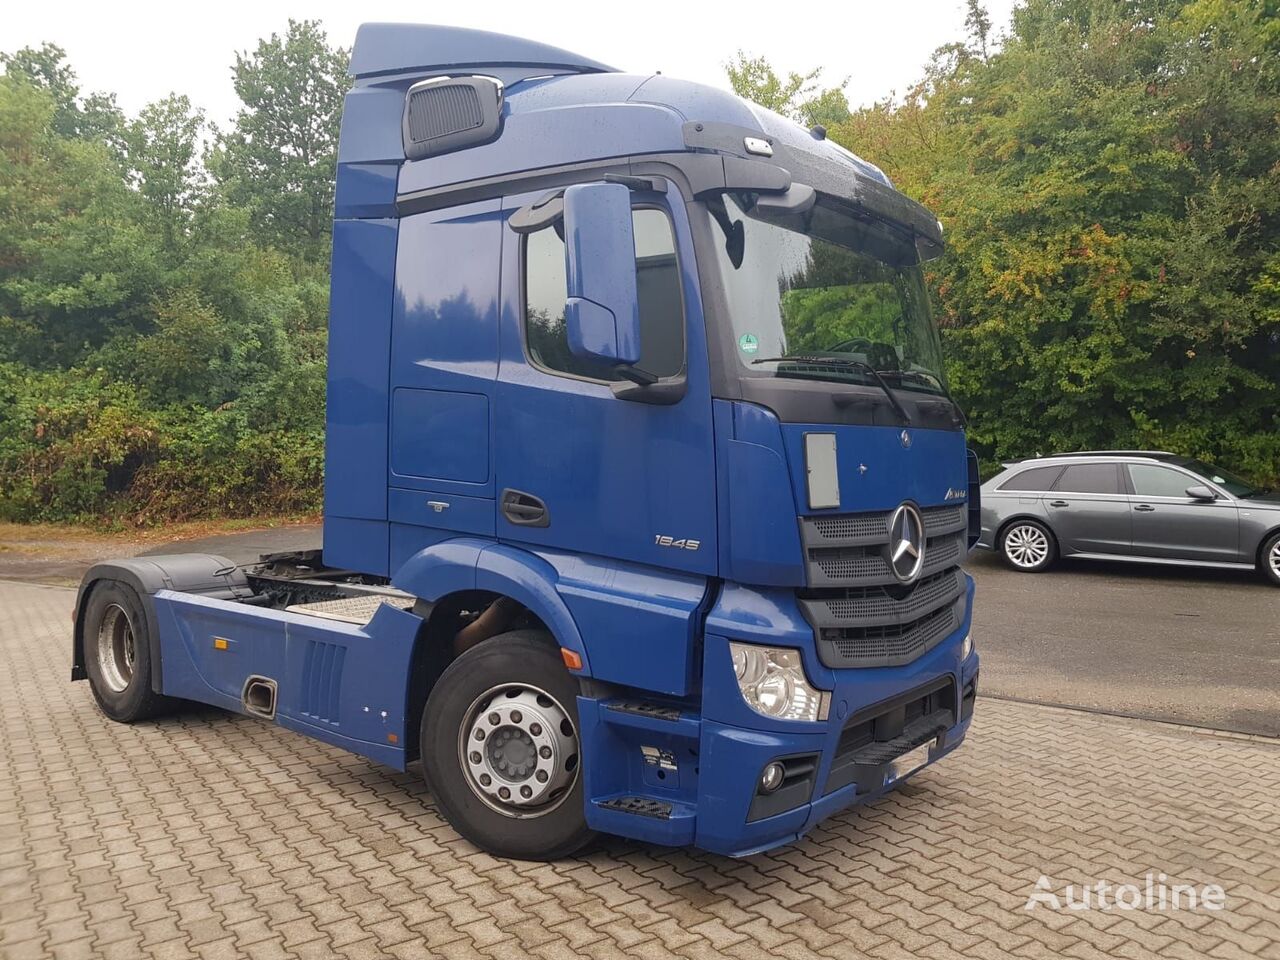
<point>1037,478</point>
<point>1089,478</point>
<point>1152,481</point>
<point>657,285</point>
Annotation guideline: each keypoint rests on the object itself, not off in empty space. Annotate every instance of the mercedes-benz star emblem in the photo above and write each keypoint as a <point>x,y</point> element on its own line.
<point>906,542</point>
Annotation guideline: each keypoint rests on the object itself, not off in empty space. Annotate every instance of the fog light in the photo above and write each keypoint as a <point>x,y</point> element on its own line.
<point>772,777</point>
<point>966,648</point>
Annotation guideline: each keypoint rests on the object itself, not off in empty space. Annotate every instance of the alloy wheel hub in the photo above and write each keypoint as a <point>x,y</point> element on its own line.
<point>518,750</point>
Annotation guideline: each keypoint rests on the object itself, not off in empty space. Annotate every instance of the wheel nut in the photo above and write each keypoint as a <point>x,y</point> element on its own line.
<point>535,729</point>
<point>545,753</point>
<point>516,716</point>
<point>475,757</point>
<point>493,719</point>
<point>541,776</point>
<point>485,780</point>
<point>479,734</point>
<point>526,792</point>
<point>504,793</point>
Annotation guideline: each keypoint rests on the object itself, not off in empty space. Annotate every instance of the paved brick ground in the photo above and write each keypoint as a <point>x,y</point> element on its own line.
<point>214,836</point>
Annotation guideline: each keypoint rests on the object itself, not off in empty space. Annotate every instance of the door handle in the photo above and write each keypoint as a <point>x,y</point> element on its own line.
<point>1145,507</point>
<point>1057,503</point>
<point>524,509</point>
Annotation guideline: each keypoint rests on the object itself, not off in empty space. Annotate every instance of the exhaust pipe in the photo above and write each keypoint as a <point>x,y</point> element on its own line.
<point>259,697</point>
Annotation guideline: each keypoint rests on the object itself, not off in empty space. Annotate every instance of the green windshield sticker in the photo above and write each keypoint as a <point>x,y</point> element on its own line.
<point>748,343</point>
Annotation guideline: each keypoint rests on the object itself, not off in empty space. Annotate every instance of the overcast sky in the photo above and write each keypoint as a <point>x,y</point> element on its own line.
<point>142,51</point>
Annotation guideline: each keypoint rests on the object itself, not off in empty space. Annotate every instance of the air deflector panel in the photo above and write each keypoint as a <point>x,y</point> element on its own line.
<point>444,114</point>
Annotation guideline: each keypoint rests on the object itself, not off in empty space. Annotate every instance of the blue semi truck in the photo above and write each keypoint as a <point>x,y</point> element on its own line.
<point>645,497</point>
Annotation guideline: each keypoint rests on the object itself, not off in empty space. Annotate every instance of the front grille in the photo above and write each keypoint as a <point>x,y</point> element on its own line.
<point>836,566</point>
<point>862,615</point>
<point>874,606</point>
<point>891,645</point>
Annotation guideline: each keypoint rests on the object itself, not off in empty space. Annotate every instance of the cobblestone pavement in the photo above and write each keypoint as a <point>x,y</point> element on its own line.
<point>214,836</point>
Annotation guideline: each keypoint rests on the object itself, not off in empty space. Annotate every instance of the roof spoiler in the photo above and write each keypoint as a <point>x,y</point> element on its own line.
<point>383,49</point>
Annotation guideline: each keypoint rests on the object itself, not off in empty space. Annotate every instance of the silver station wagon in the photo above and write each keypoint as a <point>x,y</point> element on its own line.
<point>1145,506</point>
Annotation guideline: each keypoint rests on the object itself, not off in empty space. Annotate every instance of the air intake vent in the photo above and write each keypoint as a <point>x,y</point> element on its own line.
<point>450,113</point>
<point>322,680</point>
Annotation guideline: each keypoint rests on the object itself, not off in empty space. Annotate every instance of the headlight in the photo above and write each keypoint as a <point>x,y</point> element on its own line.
<point>966,648</point>
<point>773,683</point>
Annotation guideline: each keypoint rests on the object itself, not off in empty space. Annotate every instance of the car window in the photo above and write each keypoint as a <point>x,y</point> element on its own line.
<point>1152,481</point>
<point>1037,478</point>
<point>1089,478</point>
<point>657,288</point>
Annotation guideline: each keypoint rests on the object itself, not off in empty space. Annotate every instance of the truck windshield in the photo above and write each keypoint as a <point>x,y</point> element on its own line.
<point>842,299</point>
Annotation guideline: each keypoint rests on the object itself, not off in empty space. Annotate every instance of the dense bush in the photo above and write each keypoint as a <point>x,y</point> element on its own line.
<point>162,331</point>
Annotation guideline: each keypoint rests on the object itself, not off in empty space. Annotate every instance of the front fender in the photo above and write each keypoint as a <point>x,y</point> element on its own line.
<point>470,564</point>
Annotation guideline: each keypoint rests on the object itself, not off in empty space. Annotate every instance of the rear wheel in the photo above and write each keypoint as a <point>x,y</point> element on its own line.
<point>117,653</point>
<point>500,748</point>
<point>1270,557</point>
<point>1028,546</point>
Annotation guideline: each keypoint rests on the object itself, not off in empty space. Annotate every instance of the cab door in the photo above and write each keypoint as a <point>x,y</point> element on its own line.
<point>588,462</point>
<point>1088,509</point>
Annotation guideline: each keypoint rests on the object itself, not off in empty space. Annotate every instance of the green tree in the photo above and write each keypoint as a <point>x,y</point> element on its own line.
<point>95,117</point>
<point>163,153</point>
<point>279,158</point>
<point>799,96</point>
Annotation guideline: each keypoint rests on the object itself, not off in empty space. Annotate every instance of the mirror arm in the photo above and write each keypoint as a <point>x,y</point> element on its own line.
<point>637,376</point>
<point>655,184</point>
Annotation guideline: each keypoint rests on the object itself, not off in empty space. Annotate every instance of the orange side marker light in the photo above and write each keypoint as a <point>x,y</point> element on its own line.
<point>393,738</point>
<point>220,643</point>
<point>571,659</point>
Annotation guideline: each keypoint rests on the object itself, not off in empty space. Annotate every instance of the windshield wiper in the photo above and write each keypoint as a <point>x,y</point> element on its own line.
<point>844,362</point>
<point>919,376</point>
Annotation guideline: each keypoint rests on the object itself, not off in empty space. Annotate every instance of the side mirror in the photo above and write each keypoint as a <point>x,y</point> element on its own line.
<point>602,313</point>
<point>1200,492</point>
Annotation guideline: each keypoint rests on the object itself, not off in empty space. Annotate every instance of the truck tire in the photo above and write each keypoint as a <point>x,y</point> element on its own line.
<point>117,653</point>
<point>500,748</point>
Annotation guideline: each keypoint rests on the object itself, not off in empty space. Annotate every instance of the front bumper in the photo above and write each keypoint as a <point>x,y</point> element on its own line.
<point>686,777</point>
<point>733,757</point>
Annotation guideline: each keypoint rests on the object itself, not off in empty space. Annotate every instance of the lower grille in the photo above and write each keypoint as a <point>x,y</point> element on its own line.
<point>882,733</point>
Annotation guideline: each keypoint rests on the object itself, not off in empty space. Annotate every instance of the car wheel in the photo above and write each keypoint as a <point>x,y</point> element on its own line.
<point>501,751</point>
<point>1270,557</point>
<point>117,653</point>
<point>1028,546</point>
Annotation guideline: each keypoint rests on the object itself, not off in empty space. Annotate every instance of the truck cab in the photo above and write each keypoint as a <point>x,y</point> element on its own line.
<point>645,497</point>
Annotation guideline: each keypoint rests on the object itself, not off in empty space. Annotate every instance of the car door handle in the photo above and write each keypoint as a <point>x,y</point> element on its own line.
<point>1145,507</point>
<point>1057,503</point>
<point>524,509</point>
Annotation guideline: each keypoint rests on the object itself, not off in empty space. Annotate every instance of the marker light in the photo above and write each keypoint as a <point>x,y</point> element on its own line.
<point>773,683</point>
<point>966,648</point>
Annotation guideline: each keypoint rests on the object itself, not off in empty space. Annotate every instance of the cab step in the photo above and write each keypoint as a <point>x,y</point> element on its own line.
<point>640,806</point>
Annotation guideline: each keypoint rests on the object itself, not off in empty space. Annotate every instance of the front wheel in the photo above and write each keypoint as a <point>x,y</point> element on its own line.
<point>1270,557</point>
<point>501,751</point>
<point>1027,546</point>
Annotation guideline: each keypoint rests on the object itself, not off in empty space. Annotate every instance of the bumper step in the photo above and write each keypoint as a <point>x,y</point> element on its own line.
<point>640,806</point>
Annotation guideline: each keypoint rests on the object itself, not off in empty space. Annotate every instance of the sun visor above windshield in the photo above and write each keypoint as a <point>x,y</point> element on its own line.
<point>835,175</point>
